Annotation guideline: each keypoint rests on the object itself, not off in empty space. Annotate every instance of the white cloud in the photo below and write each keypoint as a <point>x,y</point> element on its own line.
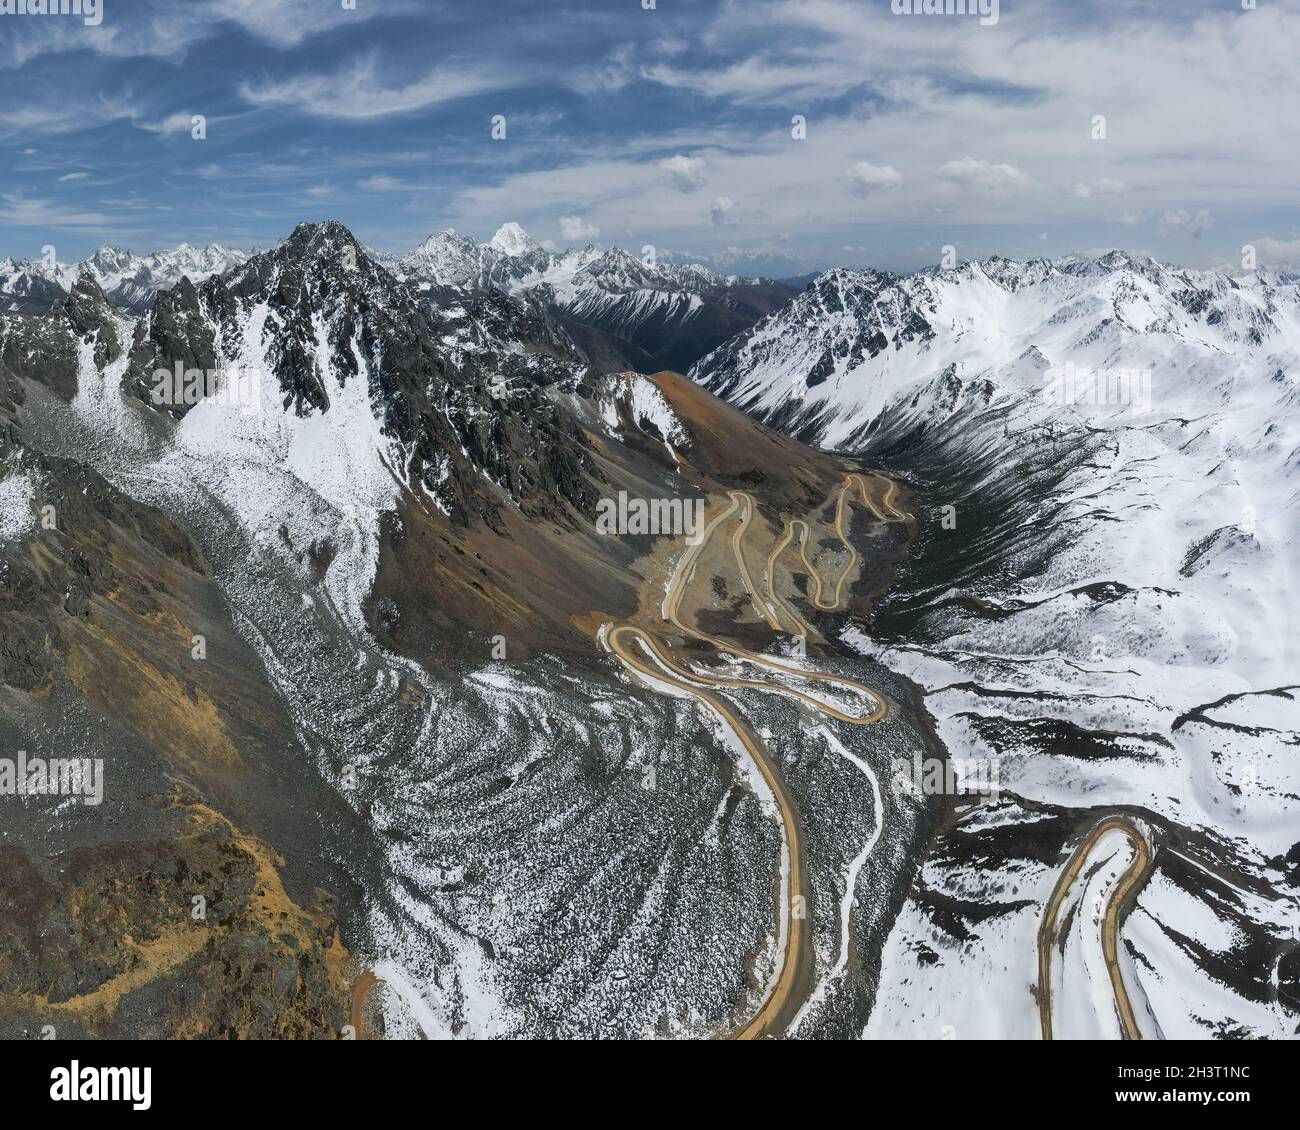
<point>53,116</point>
<point>286,25</point>
<point>73,176</point>
<point>913,87</point>
<point>358,93</point>
<point>382,183</point>
<point>607,77</point>
<point>866,178</point>
<point>720,211</point>
<point>17,210</point>
<point>686,173</point>
<point>761,78</point>
<point>576,229</point>
<point>166,29</point>
<point>182,121</point>
<point>1102,186</point>
<point>909,94</point>
<point>1182,222</point>
<point>981,174</point>
<point>1281,253</point>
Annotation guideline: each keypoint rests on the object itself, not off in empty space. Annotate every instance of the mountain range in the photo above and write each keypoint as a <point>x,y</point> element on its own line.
<point>338,626</point>
<point>626,312</point>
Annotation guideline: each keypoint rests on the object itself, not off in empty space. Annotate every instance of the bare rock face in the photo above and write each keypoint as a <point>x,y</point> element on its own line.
<point>461,392</point>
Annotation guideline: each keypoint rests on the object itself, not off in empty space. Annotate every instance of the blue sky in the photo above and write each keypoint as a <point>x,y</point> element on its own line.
<point>669,126</point>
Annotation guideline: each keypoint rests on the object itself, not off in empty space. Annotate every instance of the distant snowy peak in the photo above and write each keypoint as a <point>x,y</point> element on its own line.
<point>510,239</point>
<point>128,280</point>
<point>446,257</point>
<point>747,263</point>
<point>617,269</point>
<point>109,261</point>
<point>510,261</point>
<point>513,261</point>
<point>111,266</point>
<point>29,287</point>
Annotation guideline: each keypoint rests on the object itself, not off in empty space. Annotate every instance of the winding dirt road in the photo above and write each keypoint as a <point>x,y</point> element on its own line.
<point>646,654</point>
<point>1129,882</point>
<point>360,991</point>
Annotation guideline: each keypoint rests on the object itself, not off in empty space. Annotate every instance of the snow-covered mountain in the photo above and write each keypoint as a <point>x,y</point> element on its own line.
<point>444,381</point>
<point>28,286</point>
<point>621,312</point>
<point>128,280</point>
<point>379,520</point>
<point>627,312</point>
<point>339,591</point>
<point>511,261</point>
<point>1103,604</point>
<point>853,339</point>
<point>773,262</point>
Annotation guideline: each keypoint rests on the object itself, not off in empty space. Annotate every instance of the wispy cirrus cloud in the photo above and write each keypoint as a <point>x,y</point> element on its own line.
<point>21,212</point>
<point>359,93</point>
<point>385,183</point>
<point>636,123</point>
<point>168,30</point>
<point>285,23</point>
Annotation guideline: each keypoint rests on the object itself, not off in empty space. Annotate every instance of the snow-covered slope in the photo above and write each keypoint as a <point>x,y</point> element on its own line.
<point>1110,452</point>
